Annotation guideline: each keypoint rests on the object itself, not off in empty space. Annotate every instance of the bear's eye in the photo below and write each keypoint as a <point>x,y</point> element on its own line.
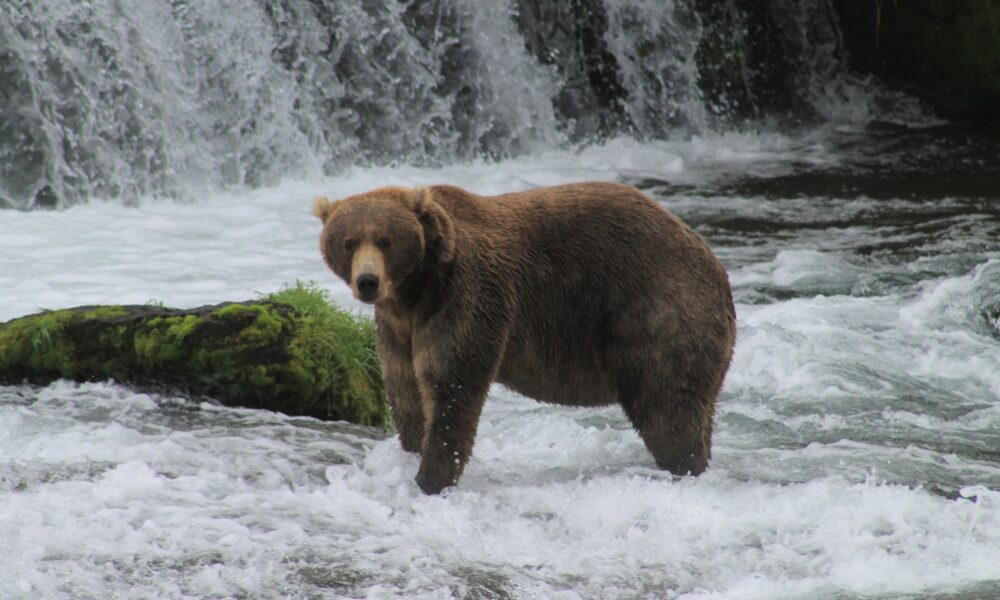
<point>383,243</point>
<point>350,245</point>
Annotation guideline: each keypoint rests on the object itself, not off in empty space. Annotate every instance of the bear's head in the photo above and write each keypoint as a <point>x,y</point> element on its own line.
<point>380,241</point>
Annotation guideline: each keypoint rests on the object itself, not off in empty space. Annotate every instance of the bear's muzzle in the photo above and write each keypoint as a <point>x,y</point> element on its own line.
<point>368,270</point>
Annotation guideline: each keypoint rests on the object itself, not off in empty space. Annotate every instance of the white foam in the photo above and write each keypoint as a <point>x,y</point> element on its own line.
<point>218,510</point>
<point>805,271</point>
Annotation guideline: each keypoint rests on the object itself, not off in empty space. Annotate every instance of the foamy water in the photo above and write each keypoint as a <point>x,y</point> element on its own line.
<point>856,452</point>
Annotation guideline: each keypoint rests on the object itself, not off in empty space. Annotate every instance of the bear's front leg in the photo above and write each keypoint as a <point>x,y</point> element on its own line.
<point>453,386</point>
<point>404,401</point>
<point>454,410</point>
<point>402,391</point>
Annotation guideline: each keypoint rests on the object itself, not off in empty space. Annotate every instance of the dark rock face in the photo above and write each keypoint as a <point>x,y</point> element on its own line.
<point>948,53</point>
<point>569,35</point>
<point>747,68</point>
<point>992,316</point>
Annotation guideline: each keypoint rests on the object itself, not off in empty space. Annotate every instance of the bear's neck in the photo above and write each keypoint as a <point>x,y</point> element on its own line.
<point>421,292</point>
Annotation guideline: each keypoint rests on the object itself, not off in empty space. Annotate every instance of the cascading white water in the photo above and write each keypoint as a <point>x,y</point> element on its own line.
<point>654,43</point>
<point>117,100</point>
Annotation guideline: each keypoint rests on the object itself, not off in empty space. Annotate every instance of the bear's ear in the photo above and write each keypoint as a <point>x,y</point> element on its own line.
<point>439,229</point>
<point>324,208</point>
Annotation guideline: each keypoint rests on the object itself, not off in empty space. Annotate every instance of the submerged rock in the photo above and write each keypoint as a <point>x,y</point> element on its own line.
<point>291,352</point>
<point>992,316</point>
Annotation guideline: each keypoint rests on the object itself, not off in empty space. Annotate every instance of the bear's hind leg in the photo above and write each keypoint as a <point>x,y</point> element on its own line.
<point>675,424</point>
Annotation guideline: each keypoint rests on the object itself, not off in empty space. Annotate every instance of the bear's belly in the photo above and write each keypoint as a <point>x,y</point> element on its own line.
<point>573,385</point>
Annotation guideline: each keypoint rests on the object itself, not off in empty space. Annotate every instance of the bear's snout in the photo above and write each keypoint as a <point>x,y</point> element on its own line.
<point>367,284</point>
<point>370,283</point>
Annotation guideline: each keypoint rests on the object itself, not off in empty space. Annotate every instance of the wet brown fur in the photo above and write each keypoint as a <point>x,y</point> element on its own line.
<point>584,294</point>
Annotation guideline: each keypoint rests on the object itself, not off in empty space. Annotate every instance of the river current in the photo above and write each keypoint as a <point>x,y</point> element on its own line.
<point>857,446</point>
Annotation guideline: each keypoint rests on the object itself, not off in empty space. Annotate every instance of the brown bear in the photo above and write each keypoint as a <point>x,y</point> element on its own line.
<point>586,294</point>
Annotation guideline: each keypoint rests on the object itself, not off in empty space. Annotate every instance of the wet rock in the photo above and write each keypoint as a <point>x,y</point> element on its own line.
<point>992,316</point>
<point>946,52</point>
<point>570,36</point>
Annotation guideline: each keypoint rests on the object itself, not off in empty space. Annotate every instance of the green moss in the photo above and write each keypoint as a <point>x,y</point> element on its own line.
<point>35,344</point>
<point>263,324</point>
<point>338,352</point>
<point>160,341</point>
<point>100,312</point>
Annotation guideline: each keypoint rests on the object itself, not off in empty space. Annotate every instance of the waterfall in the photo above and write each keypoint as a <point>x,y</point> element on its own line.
<point>117,100</point>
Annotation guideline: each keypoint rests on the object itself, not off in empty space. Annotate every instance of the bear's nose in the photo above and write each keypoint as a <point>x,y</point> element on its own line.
<point>367,286</point>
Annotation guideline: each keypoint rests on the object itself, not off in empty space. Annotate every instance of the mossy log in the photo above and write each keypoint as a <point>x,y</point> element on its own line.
<point>309,360</point>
